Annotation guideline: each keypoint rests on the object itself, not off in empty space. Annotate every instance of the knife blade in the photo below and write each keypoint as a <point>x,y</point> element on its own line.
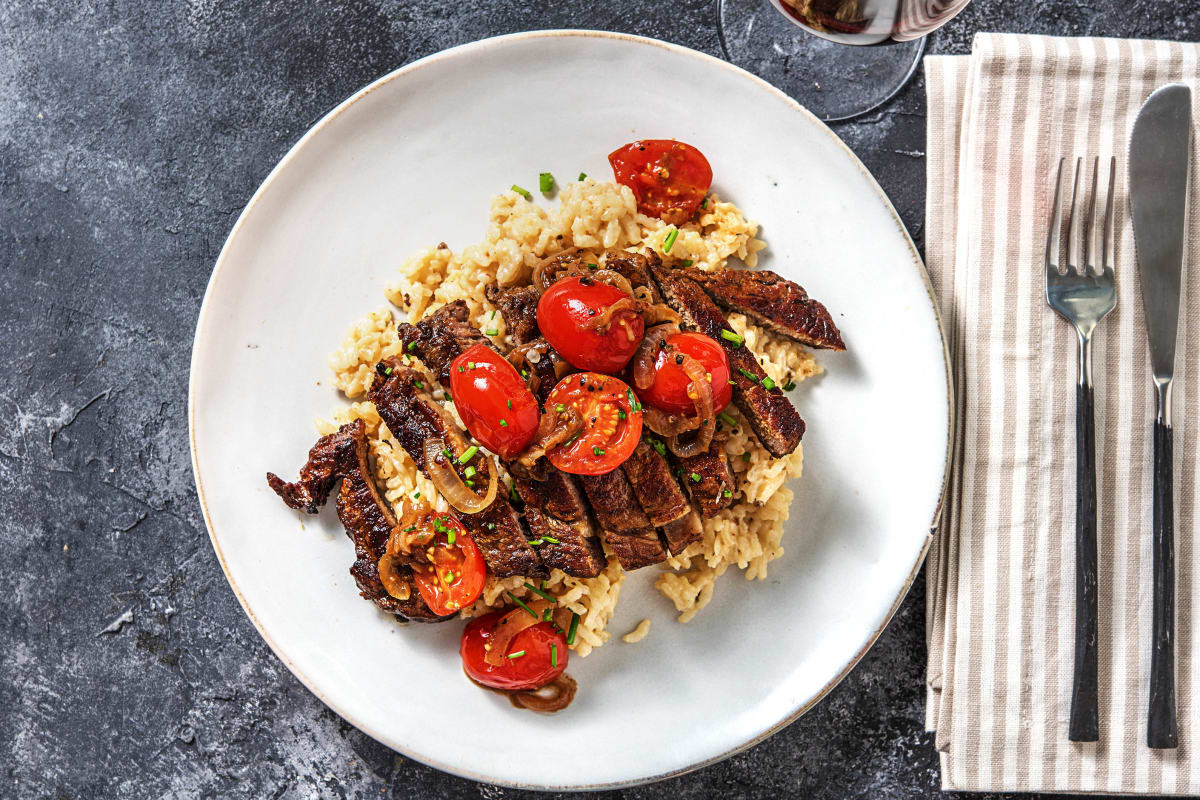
<point>1159,150</point>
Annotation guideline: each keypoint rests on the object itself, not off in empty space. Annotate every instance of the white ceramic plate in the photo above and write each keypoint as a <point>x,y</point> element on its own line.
<point>412,160</point>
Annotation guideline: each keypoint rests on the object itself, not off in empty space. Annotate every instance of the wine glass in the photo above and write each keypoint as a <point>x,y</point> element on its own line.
<point>832,80</point>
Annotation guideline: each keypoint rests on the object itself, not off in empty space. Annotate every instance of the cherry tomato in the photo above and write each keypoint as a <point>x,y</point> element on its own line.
<point>450,571</point>
<point>612,418</point>
<point>543,649</point>
<point>493,401</point>
<point>668,178</point>
<point>563,314</point>
<point>669,391</point>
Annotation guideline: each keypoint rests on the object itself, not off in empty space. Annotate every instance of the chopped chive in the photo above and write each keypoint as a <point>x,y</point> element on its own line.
<point>517,654</point>
<point>547,614</point>
<point>521,603</point>
<point>492,332</point>
<point>470,365</point>
<point>621,414</point>
<point>727,493</point>
<point>461,368</point>
<point>469,472</point>
<point>597,451</point>
<point>510,403</point>
<point>748,374</point>
<point>491,526</point>
<point>787,387</point>
<point>470,483</point>
<point>670,240</point>
<point>412,346</point>
<point>695,477</point>
<point>704,203</point>
<point>387,371</point>
<point>512,492</point>
<point>419,384</point>
<point>468,454</point>
<point>592,266</point>
<point>540,593</point>
<point>745,456</point>
<point>543,586</point>
<point>503,423</point>
<point>554,647</point>
<point>551,539</point>
<point>728,420</point>
<point>523,192</point>
<point>582,175</point>
<point>417,495</point>
<point>493,316</point>
<point>451,536</point>
<point>559,407</point>
<point>733,383</point>
<point>449,578</point>
<point>572,439</point>
<point>545,182</point>
<point>524,373</point>
<point>687,262</point>
<point>574,628</point>
<point>768,382</point>
<point>536,541</point>
<point>730,336</point>
<point>446,396</point>
<point>446,452</point>
<point>410,529</point>
<point>659,447</point>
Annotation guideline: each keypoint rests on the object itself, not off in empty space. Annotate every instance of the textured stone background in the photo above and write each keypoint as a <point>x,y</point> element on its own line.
<point>131,135</point>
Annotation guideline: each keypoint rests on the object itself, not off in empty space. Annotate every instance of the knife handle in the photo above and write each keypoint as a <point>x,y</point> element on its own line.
<point>1161,729</point>
<point>1085,715</point>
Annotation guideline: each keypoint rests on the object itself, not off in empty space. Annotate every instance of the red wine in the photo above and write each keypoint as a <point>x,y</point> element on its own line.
<point>871,21</point>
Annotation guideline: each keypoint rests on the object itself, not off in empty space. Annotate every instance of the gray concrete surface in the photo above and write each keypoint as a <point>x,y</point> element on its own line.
<point>131,135</point>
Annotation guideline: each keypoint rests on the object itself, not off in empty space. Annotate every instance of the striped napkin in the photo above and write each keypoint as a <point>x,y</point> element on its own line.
<point>1000,615</point>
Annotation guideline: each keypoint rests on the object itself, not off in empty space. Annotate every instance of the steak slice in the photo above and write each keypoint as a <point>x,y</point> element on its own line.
<point>627,529</point>
<point>770,414</point>
<point>682,532</point>
<point>440,337</point>
<point>399,395</point>
<point>657,492</point>
<point>636,551</point>
<point>715,479</point>
<point>364,514</point>
<point>772,301</point>
<point>555,508</point>
<point>635,267</point>
<point>518,306</point>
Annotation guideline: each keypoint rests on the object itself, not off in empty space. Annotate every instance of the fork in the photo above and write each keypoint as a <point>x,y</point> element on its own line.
<point>1083,293</point>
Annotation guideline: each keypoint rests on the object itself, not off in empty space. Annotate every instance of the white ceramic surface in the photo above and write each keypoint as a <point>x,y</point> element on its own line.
<point>412,160</point>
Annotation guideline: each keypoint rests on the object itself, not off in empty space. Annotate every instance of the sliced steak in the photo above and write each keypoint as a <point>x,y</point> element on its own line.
<point>518,306</point>
<point>715,479</point>
<point>772,301</point>
<point>364,514</point>
<point>636,551</point>
<point>770,414</point>
<point>682,532</point>
<point>440,337</point>
<point>549,369</point>
<point>657,492</point>
<point>555,509</point>
<point>400,397</point>
<point>635,267</point>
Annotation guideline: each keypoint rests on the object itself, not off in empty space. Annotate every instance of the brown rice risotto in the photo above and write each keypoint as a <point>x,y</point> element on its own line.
<point>593,216</point>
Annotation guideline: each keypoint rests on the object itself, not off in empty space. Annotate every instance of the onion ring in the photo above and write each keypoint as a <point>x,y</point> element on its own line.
<point>554,696</point>
<point>647,353</point>
<point>450,486</point>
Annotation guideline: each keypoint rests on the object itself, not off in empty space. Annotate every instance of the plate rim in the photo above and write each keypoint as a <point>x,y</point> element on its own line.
<point>481,44</point>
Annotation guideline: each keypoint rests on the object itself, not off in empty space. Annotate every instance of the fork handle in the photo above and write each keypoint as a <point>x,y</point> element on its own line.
<point>1161,730</point>
<point>1085,717</point>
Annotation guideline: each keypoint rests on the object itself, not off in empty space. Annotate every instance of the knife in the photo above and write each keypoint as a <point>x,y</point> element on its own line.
<point>1158,182</point>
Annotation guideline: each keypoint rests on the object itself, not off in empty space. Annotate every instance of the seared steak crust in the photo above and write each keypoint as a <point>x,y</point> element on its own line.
<point>682,532</point>
<point>518,306</point>
<point>655,487</point>
<point>616,506</point>
<point>772,301</point>
<point>439,338</point>
<point>364,514</point>
<point>411,416</point>
<point>770,414</point>
<point>712,467</point>
<point>636,551</point>
<point>555,508</point>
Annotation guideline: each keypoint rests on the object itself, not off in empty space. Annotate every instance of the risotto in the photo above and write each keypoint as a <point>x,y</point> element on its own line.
<point>593,216</point>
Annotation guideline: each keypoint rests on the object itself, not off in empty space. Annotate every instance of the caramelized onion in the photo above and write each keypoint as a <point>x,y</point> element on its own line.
<point>601,321</point>
<point>545,272</point>
<point>614,278</point>
<point>450,486</point>
<point>657,313</point>
<point>390,577</point>
<point>667,424</point>
<point>554,428</point>
<point>554,696</point>
<point>704,412</point>
<point>509,626</point>
<point>647,353</point>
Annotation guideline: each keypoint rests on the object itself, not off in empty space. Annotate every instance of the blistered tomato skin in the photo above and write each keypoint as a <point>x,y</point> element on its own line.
<point>541,647</point>
<point>669,392</point>
<point>612,423</point>
<point>493,401</point>
<point>668,178</point>
<point>563,313</point>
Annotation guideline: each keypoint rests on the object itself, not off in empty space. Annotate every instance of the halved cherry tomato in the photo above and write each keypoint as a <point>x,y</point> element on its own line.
<point>668,178</point>
<point>612,418</point>
<point>564,312</point>
<point>449,570</point>
<point>669,391</point>
<point>493,401</point>
<point>535,657</point>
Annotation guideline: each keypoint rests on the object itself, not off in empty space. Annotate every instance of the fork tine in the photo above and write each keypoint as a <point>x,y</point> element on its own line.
<point>1054,235</point>
<point>1110,232</point>
<point>1074,223</point>
<point>1095,230</point>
